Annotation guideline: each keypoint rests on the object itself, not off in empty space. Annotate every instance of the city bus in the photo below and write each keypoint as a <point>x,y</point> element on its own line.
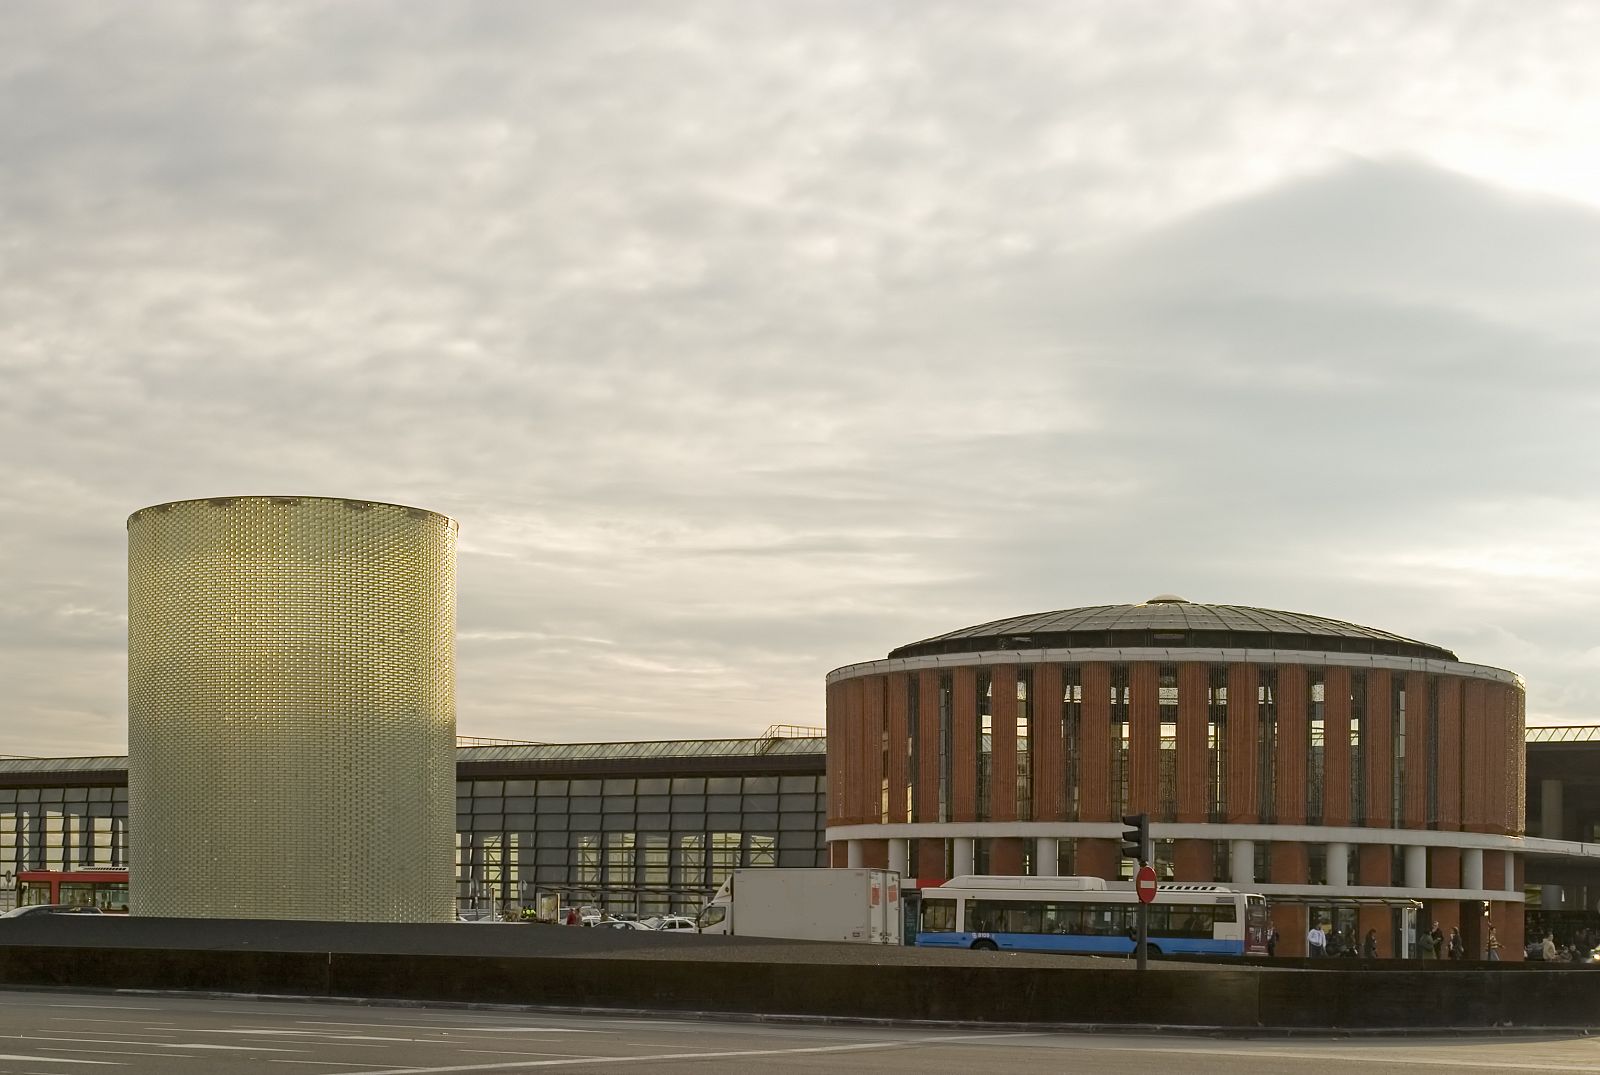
<point>103,887</point>
<point>1081,915</point>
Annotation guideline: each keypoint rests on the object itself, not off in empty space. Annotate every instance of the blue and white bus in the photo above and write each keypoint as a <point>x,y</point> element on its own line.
<point>1081,915</point>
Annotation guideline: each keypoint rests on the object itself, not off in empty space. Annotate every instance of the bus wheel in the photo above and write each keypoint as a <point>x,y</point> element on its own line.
<point>984,946</point>
<point>1152,952</point>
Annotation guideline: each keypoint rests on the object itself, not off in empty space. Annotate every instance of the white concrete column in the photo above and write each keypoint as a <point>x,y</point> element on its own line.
<point>1244,862</point>
<point>1472,867</point>
<point>1047,856</point>
<point>1509,872</point>
<point>1338,864</point>
<point>963,855</point>
<point>854,855</point>
<point>898,856</point>
<point>1417,866</point>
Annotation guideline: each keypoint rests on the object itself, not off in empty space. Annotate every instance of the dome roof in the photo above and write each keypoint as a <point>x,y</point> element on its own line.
<point>1169,622</point>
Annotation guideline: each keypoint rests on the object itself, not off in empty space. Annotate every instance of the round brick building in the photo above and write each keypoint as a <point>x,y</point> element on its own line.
<point>1352,776</point>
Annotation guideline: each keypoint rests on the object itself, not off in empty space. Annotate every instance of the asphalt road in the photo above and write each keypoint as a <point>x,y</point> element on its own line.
<point>141,1034</point>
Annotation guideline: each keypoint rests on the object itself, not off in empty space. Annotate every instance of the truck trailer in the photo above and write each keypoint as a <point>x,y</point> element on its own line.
<point>862,906</point>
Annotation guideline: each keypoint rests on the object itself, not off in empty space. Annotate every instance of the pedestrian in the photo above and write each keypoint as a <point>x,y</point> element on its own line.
<point>1272,940</point>
<point>1436,942</point>
<point>1494,945</point>
<point>1548,949</point>
<point>1458,950</point>
<point>1369,945</point>
<point>573,918</point>
<point>1316,941</point>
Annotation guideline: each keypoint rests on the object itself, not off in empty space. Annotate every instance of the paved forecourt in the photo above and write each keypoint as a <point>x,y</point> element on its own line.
<point>142,1034</point>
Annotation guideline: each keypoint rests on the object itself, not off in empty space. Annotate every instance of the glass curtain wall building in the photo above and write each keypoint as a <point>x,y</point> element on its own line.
<point>647,827</point>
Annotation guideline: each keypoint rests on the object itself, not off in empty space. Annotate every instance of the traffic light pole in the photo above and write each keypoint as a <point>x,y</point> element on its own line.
<point>1142,944</point>
<point>1136,845</point>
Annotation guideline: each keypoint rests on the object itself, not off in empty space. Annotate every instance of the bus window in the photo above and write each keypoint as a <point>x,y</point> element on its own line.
<point>938,916</point>
<point>1185,920</point>
<point>1017,917</point>
<point>1227,912</point>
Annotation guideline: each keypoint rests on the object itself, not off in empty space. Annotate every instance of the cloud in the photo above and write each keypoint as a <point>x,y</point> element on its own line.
<point>750,343</point>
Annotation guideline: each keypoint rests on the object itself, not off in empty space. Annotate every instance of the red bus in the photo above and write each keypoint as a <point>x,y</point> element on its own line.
<point>102,887</point>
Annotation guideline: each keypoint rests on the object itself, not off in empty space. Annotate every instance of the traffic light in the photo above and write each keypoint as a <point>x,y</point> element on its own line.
<point>1136,837</point>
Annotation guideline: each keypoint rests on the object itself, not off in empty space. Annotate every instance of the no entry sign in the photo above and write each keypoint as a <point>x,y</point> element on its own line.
<point>1144,883</point>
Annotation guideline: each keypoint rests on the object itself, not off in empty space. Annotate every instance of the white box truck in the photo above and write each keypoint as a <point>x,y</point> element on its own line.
<point>809,905</point>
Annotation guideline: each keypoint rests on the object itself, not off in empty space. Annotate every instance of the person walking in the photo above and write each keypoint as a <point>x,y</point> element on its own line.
<point>1494,945</point>
<point>1548,948</point>
<point>1272,940</point>
<point>1316,941</point>
<point>1458,949</point>
<point>1436,942</point>
<point>1369,945</point>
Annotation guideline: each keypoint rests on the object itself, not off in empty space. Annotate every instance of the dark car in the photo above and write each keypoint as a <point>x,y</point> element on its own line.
<point>50,908</point>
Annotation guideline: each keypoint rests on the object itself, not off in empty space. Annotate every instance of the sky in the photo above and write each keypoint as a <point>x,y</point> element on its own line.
<point>750,340</point>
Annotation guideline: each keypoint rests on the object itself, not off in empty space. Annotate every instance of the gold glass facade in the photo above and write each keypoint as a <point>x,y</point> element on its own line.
<point>291,709</point>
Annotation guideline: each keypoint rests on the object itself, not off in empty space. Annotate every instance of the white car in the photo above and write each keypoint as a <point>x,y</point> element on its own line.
<point>622,923</point>
<point>677,923</point>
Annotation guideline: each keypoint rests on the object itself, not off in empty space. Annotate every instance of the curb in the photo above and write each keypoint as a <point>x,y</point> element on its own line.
<point>1130,1029</point>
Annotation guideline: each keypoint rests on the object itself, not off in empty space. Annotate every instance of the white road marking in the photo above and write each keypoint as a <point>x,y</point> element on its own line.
<point>121,1022</point>
<point>458,1029</point>
<point>332,1035</point>
<point>730,1055</point>
<point>106,1007</point>
<point>116,1052</point>
<point>519,1052</point>
<point>324,1063</point>
<point>56,1060</point>
<point>231,1048</point>
<point>84,1041</point>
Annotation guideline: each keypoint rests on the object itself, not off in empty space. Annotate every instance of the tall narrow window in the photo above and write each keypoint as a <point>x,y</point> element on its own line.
<point>883,754</point>
<point>1316,745</point>
<point>1167,703</point>
<point>913,750</point>
<point>1071,722</point>
<point>1217,746</point>
<point>1119,740</point>
<point>1267,740</point>
<point>1432,734</point>
<point>946,743</point>
<point>1358,736</point>
<point>1397,736</point>
<point>1024,744</point>
<point>985,743</point>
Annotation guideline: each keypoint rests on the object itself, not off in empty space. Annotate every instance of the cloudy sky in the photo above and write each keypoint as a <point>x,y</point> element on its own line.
<point>749,340</point>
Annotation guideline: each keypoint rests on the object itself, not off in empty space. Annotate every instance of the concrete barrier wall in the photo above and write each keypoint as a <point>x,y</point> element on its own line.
<point>1235,998</point>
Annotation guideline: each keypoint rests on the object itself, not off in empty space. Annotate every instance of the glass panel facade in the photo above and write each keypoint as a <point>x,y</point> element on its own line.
<point>1167,700</point>
<point>1024,745</point>
<point>1267,740</point>
<point>1316,745</point>
<point>643,845</point>
<point>60,829</point>
<point>1217,745</point>
<point>985,744</point>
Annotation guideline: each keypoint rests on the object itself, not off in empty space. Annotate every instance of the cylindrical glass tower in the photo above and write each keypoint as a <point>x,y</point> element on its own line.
<point>291,710</point>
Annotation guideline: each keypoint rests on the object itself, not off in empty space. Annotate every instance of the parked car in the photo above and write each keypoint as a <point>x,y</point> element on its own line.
<point>51,908</point>
<point>677,922</point>
<point>622,923</point>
